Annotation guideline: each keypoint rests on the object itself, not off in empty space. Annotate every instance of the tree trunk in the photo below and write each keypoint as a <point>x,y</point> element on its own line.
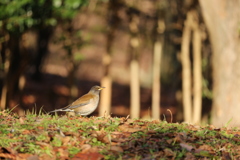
<point>197,74</point>
<point>5,57</point>
<point>14,70</point>
<point>157,54</point>
<point>105,103</point>
<point>186,70</point>
<point>44,36</point>
<point>134,65</point>
<point>114,20</point>
<point>106,96</point>
<point>158,40</point>
<point>106,81</point>
<point>135,89</point>
<point>157,57</point>
<point>222,19</point>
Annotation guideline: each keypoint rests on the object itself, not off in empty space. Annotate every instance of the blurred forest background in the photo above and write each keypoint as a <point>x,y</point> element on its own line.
<point>174,60</point>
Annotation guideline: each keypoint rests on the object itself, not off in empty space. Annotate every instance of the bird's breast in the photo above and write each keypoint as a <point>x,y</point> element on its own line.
<point>88,108</point>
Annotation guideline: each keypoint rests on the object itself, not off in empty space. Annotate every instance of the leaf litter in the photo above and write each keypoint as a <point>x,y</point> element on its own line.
<point>95,138</point>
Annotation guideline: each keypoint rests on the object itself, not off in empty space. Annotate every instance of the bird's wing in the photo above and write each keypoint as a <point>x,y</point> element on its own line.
<point>82,101</point>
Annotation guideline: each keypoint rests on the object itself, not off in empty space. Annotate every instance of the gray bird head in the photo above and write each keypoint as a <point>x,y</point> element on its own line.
<point>96,89</point>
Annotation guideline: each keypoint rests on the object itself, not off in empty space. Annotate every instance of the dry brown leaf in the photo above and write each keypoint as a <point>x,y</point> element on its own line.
<point>115,143</point>
<point>205,147</point>
<point>179,138</point>
<point>102,136</point>
<point>226,156</point>
<point>170,141</point>
<point>189,156</point>
<point>7,156</point>
<point>21,120</point>
<point>93,149</point>
<point>75,134</point>
<point>40,128</point>
<point>26,132</point>
<point>43,144</point>
<point>85,148</point>
<point>106,139</point>
<point>24,156</point>
<point>169,152</point>
<point>10,135</point>
<point>130,121</point>
<point>65,140</point>
<point>120,134</point>
<point>151,132</point>
<point>127,128</point>
<point>46,157</point>
<point>10,150</point>
<point>116,149</point>
<point>62,152</point>
<point>186,146</point>
<point>88,156</point>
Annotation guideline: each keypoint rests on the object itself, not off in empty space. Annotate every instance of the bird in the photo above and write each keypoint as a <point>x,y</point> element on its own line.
<point>84,105</point>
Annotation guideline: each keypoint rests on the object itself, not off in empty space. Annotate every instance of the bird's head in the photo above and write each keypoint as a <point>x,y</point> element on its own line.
<point>96,89</point>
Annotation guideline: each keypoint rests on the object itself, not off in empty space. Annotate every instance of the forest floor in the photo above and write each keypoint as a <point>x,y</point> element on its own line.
<point>43,136</point>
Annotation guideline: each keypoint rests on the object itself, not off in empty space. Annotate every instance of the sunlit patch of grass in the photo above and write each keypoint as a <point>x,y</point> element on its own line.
<point>6,142</point>
<point>73,150</point>
<point>41,134</point>
<point>95,142</point>
<point>56,142</point>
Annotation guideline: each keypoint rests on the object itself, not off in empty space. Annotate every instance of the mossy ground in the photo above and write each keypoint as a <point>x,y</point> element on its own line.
<point>61,137</point>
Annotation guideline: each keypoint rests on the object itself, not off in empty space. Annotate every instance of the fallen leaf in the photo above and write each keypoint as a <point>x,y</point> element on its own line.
<point>85,148</point>
<point>128,128</point>
<point>21,120</point>
<point>186,146</point>
<point>168,152</point>
<point>45,157</point>
<point>189,156</point>
<point>7,156</point>
<point>88,156</point>
<point>26,132</point>
<point>116,149</point>
<point>205,147</point>
<point>23,156</point>
<point>226,155</point>
<point>62,152</point>
<point>170,141</point>
<point>65,140</point>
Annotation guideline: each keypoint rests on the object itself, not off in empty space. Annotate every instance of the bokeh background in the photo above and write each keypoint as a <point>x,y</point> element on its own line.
<point>155,57</point>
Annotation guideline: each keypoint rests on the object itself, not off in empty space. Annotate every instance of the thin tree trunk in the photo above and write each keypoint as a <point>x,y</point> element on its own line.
<point>134,66</point>
<point>5,61</point>
<point>156,89</point>
<point>197,74</point>
<point>3,97</point>
<point>186,70</point>
<point>158,32</point>
<point>106,95</point>
<point>71,77</point>
<point>135,89</point>
<point>106,81</point>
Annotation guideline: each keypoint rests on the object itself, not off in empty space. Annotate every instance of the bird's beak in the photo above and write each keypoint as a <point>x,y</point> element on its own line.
<point>101,88</point>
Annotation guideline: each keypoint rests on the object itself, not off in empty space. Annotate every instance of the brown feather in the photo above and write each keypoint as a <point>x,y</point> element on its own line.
<point>84,100</point>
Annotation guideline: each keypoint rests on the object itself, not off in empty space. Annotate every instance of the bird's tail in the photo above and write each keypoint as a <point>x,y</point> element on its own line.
<point>61,110</point>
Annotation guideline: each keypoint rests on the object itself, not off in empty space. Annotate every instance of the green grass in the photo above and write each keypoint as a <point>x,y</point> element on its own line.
<point>59,137</point>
